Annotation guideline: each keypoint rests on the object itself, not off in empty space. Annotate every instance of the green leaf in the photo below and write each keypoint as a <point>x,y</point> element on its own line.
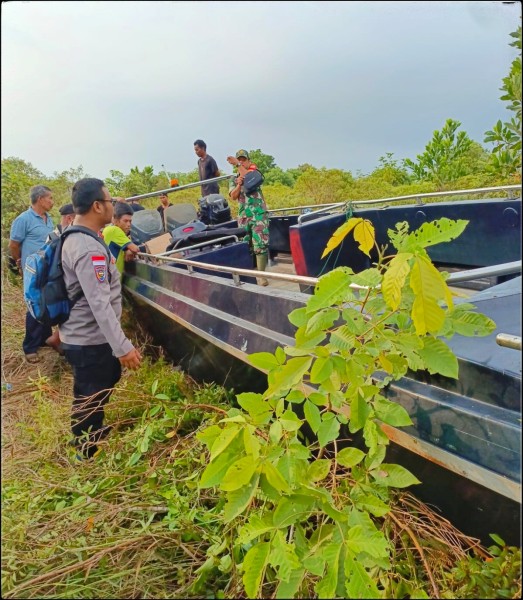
<point>349,457</point>
<point>251,443</point>
<point>223,440</point>
<point>289,589</point>
<point>254,404</point>
<point>394,279</point>
<point>209,435</point>
<point>342,339</point>
<point>429,287</point>
<point>360,540</point>
<point>371,504</point>
<point>391,412</point>
<point>313,416</point>
<point>436,232</point>
<point>299,317</point>
<point>254,566</point>
<point>275,432</point>
<point>283,556</point>
<point>295,396</point>
<point>359,412</point>
<point>321,370</point>
<point>263,360</point>
<point>154,387</point>
<point>323,319</point>
<point>290,421</point>
<point>439,358</point>
<point>326,588</point>
<point>238,500</point>
<point>291,509</point>
<point>394,476</point>
<point>289,375</point>
<point>359,584</point>
<point>319,469</point>
<point>215,470</point>
<point>256,527</point>
<point>367,278</point>
<point>469,323</point>
<point>306,341</point>
<point>328,431</point>
<point>332,288</point>
<point>275,478</point>
<point>239,473</point>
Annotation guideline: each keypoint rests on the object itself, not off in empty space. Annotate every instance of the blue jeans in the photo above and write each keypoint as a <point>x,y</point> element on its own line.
<point>35,334</point>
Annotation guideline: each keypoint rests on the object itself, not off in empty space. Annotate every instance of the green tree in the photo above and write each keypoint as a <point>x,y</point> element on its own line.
<point>299,170</point>
<point>278,175</point>
<point>18,176</point>
<point>323,185</point>
<point>390,171</point>
<point>136,183</point>
<point>506,137</point>
<point>444,158</point>
<point>263,161</point>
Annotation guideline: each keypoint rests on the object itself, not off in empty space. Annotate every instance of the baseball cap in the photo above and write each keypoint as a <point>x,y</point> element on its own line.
<point>243,153</point>
<point>66,209</point>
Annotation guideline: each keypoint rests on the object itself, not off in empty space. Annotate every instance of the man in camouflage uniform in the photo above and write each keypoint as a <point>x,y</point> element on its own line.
<point>252,211</point>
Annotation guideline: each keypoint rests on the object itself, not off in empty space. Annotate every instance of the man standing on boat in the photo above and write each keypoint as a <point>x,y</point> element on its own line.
<point>92,338</point>
<point>207,168</point>
<point>252,211</point>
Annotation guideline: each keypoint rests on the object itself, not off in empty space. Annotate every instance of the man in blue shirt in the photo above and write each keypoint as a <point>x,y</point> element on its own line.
<point>29,232</point>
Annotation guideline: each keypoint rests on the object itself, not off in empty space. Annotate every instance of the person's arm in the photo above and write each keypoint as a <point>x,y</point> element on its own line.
<point>89,269</point>
<point>15,248</point>
<point>215,167</point>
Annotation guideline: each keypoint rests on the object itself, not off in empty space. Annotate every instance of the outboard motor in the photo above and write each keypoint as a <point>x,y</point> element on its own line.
<point>213,209</point>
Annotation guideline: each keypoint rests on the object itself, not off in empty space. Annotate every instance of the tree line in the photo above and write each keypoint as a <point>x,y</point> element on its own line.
<point>450,160</point>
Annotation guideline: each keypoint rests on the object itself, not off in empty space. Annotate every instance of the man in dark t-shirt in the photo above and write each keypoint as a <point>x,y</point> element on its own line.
<point>207,168</point>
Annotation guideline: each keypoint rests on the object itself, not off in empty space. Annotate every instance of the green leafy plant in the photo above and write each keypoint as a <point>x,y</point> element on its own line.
<point>495,576</point>
<point>307,512</point>
<point>506,137</point>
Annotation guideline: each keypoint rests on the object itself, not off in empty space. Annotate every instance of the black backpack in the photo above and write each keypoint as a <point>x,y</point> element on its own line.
<point>44,288</point>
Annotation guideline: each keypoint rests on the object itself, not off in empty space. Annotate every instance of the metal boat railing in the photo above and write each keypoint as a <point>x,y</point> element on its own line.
<point>187,186</point>
<point>456,277</point>
<point>233,238</point>
<point>418,197</point>
<point>508,341</point>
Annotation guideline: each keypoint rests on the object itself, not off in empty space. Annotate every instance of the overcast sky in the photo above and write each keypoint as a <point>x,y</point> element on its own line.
<point>113,85</point>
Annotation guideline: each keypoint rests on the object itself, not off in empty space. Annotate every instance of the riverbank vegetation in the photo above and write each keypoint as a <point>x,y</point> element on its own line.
<point>134,523</point>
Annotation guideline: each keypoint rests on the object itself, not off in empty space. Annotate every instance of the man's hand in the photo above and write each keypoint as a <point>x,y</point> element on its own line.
<point>131,360</point>
<point>232,160</point>
<point>239,180</point>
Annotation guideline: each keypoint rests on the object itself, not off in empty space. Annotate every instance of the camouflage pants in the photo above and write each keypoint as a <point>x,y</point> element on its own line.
<point>253,216</point>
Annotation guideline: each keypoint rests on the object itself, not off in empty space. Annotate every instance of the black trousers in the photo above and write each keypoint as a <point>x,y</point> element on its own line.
<point>96,371</point>
<point>35,334</point>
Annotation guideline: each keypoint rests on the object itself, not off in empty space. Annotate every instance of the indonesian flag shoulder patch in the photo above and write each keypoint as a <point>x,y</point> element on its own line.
<point>100,267</point>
